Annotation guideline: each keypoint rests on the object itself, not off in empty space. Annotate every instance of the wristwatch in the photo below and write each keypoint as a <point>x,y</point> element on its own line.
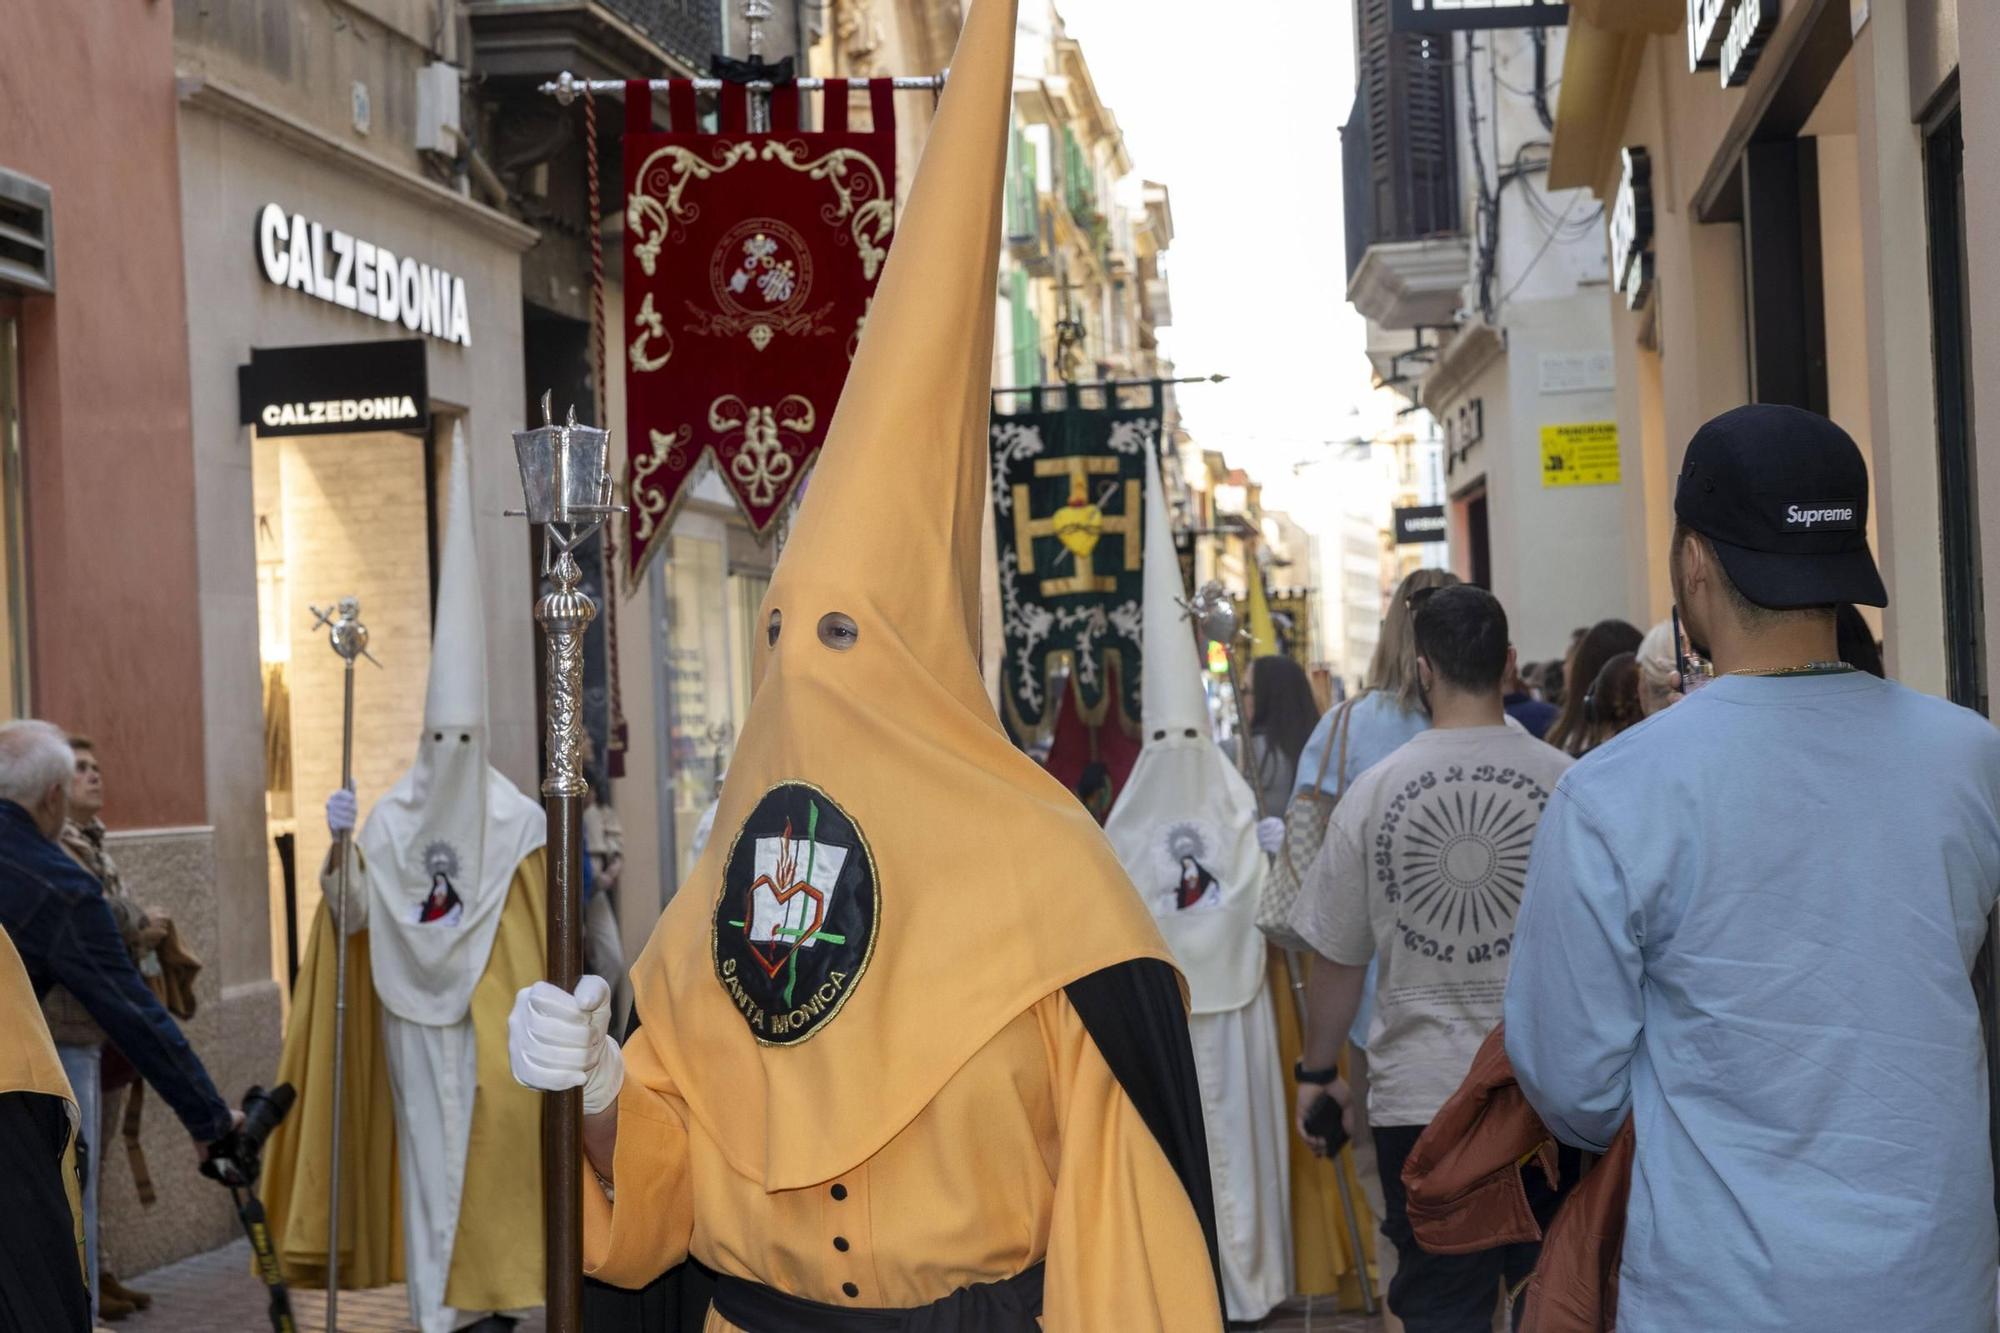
<point>1316,1076</point>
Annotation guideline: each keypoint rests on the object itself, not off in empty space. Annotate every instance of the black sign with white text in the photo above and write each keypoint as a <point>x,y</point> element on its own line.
<point>1419,524</point>
<point>1462,15</point>
<point>1631,228</point>
<point>1750,27</point>
<point>336,389</point>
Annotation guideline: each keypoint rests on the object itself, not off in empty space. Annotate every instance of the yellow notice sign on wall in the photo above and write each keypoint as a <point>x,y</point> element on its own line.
<point>1580,453</point>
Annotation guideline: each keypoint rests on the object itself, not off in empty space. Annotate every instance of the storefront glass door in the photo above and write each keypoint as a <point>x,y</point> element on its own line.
<point>336,516</point>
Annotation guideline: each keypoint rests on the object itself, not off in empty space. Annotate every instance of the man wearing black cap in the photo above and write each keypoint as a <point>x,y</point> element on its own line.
<point>1750,923</point>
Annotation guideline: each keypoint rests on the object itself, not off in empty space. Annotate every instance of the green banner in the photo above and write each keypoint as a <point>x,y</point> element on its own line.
<point>1068,502</point>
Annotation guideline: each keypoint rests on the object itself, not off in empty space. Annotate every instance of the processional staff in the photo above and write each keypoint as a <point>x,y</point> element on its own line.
<point>566,484</point>
<point>349,638</point>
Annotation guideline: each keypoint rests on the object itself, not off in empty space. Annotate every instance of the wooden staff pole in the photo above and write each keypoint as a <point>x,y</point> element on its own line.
<point>564,613</point>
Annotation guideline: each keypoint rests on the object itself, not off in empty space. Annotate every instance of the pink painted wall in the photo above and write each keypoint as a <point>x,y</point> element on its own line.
<point>87,105</point>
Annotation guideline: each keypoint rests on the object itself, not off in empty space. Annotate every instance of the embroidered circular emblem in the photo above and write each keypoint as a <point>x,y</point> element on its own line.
<point>761,268</point>
<point>795,924</point>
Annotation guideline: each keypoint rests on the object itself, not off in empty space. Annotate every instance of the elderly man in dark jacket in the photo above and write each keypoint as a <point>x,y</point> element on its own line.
<point>67,936</point>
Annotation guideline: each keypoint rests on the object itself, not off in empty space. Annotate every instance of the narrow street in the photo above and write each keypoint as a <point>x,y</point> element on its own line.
<point>216,1293</point>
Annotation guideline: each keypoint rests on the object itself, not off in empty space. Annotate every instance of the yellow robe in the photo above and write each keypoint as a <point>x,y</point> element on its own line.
<point>28,1063</point>
<point>1325,1257</point>
<point>944,1204</point>
<point>496,1260</point>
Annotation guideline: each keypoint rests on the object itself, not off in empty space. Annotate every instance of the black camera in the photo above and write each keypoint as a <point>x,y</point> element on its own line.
<point>237,1158</point>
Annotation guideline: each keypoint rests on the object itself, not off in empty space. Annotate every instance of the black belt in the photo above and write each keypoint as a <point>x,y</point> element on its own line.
<point>1011,1306</point>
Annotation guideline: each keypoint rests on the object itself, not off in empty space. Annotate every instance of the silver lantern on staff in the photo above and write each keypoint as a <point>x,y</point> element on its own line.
<point>566,485</point>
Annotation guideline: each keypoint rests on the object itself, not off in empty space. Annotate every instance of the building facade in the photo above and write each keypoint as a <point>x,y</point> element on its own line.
<point>106,628</point>
<point>1483,285</point>
<point>1795,190</point>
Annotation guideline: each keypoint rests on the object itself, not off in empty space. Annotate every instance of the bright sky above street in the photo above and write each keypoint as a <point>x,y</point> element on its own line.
<point>1236,109</point>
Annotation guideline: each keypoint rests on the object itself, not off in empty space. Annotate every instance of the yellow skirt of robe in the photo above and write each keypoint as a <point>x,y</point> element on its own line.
<point>496,1262</point>
<point>1326,1258</point>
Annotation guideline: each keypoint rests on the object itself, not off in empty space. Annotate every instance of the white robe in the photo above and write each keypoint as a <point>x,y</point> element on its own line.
<point>1183,797</point>
<point>434,1073</point>
<point>434,1078</point>
<point>1185,830</point>
<point>1243,1105</point>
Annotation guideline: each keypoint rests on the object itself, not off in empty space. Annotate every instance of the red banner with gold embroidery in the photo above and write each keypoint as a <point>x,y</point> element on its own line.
<point>750,260</point>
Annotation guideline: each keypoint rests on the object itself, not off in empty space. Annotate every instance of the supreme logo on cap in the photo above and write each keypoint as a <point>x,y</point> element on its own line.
<point>1822,516</point>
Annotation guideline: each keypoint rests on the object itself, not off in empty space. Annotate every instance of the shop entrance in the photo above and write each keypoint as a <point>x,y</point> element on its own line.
<point>1472,538</point>
<point>336,515</point>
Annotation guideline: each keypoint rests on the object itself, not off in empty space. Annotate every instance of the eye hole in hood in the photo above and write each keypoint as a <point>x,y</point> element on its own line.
<point>838,631</point>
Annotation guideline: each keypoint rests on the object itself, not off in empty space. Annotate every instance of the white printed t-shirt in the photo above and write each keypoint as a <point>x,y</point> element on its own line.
<point>1424,862</point>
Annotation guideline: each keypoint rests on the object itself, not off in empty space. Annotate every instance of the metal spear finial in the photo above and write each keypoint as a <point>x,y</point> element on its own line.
<point>345,631</point>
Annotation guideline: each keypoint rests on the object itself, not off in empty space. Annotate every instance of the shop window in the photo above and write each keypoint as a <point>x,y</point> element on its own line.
<point>335,516</point>
<point>701,700</point>
<point>746,596</point>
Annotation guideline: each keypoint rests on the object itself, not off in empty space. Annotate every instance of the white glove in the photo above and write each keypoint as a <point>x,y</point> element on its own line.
<point>557,1041</point>
<point>340,812</point>
<point>1271,835</point>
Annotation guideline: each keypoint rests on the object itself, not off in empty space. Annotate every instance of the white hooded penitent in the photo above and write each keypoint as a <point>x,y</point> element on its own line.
<point>1186,828</point>
<point>441,847</point>
<point>1186,824</point>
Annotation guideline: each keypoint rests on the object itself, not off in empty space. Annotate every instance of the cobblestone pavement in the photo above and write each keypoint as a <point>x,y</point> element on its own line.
<point>215,1293</point>
<point>1320,1318</point>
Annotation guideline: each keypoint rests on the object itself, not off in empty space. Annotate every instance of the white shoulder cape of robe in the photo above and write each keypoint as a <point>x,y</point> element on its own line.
<point>426,973</point>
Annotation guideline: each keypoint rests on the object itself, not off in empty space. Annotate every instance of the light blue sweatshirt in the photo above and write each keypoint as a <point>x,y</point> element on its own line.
<point>1750,923</point>
<point>1380,727</point>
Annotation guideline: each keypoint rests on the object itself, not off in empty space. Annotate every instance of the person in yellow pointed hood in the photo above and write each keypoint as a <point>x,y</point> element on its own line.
<point>911,1052</point>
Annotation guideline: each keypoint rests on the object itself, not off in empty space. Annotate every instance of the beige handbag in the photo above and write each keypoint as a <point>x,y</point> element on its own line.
<point>1305,829</point>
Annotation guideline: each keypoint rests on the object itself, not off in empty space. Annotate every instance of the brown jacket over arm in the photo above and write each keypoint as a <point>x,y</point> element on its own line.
<point>1465,1192</point>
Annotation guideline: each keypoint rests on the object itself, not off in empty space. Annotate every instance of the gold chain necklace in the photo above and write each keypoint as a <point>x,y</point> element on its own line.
<point>1807,669</point>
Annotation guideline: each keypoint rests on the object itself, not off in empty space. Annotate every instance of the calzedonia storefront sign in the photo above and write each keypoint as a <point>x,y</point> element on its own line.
<point>1463,15</point>
<point>1729,35</point>
<point>362,276</point>
<point>338,389</point>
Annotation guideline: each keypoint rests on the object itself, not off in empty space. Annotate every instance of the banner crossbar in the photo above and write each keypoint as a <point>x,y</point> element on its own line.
<point>566,87</point>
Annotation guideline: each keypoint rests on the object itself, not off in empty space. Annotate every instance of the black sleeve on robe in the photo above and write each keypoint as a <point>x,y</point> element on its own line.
<point>1134,1012</point>
<point>41,1277</point>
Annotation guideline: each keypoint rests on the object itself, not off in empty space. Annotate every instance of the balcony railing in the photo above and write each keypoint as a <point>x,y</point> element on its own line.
<point>688,28</point>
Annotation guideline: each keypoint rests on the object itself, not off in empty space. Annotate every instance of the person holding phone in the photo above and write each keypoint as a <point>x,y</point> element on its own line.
<point>1421,870</point>
<point>1750,925</point>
